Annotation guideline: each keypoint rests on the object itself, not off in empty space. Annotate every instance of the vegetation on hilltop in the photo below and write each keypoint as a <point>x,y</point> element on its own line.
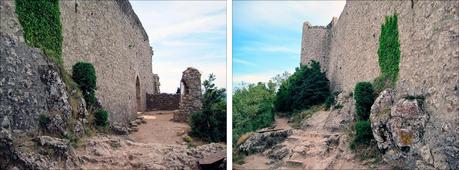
<point>210,123</point>
<point>307,87</point>
<point>253,108</point>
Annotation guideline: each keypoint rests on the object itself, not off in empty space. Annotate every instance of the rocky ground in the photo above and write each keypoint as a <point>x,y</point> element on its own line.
<point>158,144</point>
<point>315,146</point>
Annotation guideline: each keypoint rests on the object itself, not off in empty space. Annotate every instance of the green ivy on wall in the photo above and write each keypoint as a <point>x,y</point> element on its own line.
<point>40,20</point>
<point>389,53</point>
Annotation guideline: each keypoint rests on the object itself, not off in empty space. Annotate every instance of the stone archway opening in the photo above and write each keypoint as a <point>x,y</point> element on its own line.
<point>137,95</point>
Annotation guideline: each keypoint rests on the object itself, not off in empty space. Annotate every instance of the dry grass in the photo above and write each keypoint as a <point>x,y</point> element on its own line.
<point>243,138</point>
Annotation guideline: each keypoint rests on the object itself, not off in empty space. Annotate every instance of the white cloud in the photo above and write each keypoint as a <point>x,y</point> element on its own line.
<point>185,34</point>
<point>240,61</point>
<point>285,13</point>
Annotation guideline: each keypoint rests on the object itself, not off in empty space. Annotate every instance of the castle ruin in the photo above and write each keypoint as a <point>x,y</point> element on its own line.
<point>429,63</point>
<point>109,35</point>
<point>190,94</point>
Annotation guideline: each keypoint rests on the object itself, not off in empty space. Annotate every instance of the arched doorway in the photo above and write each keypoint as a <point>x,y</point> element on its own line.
<point>137,95</point>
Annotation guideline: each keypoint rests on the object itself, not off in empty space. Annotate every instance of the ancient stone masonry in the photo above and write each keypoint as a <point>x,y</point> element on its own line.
<point>156,84</point>
<point>429,41</point>
<point>109,35</point>
<point>190,94</point>
<point>163,101</point>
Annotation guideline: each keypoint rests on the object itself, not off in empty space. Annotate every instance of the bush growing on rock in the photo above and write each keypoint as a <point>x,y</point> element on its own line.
<point>210,123</point>
<point>43,120</point>
<point>363,95</point>
<point>101,117</point>
<point>308,86</point>
<point>84,75</point>
<point>363,134</point>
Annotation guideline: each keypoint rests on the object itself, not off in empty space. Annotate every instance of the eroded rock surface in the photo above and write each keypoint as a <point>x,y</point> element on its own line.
<point>115,152</point>
<point>264,139</point>
<point>398,127</point>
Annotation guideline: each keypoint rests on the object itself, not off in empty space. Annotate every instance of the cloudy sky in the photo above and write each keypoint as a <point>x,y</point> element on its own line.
<point>267,35</point>
<point>183,34</point>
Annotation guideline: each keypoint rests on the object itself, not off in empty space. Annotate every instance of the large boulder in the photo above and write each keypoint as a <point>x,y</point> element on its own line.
<point>398,128</point>
<point>264,139</point>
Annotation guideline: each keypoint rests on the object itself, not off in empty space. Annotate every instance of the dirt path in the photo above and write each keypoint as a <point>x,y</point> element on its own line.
<point>158,144</point>
<point>313,147</point>
<point>160,129</point>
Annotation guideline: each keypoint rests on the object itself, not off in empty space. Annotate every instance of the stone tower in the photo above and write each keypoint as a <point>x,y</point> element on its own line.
<point>190,94</point>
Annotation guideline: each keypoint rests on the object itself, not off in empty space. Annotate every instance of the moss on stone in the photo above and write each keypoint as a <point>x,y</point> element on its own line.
<point>40,20</point>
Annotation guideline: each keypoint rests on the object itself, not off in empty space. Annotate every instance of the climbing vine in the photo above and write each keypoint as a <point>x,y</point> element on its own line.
<point>40,20</point>
<point>389,53</point>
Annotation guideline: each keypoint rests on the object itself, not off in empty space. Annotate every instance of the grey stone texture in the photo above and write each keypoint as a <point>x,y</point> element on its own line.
<point>398,128</point>
<point>429,63</point>
<point>109,35</point>
<point>264,139</point>
<point>30,83</point>
<point>156,84</point>
<point>163,101</point>
<point>190,95</point>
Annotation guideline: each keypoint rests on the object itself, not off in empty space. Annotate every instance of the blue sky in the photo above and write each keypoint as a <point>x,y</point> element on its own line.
<point>183,34</point>
<point>267,35</point>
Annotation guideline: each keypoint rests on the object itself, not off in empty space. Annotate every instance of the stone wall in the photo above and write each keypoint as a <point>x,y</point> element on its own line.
<point>429,64</point>
<point>315,43</point>
<point>109,35</point>
<point>163,101</point>
<point>156,84</point>
<point>190,94</point>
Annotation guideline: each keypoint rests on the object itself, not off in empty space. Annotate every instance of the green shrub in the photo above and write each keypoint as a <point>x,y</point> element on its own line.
<point>330,101</point>
<point>306,87</point>
<point>252,108</point>
<point>338,106</point>
<point>363,95</point>
<point>101,117</point>
<point>210,123</point>
<point>43,120</point>
<point>90,98</point>
<point>389,52</point>
<point>40,20</point>
<point>187,139</point>
<point>363,135</point>
<point>84,75</point>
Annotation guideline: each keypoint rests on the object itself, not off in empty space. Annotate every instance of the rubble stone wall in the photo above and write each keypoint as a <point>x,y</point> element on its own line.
<point>163,101</point>
<point>190,95</point>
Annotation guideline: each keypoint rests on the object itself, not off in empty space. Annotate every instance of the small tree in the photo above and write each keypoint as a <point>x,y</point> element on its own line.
<point>101,118</point>
<point>84,75</point>
<point>308,86</point>
<point>210,123</point>
<point>363,95</point>
<point>363,134</point>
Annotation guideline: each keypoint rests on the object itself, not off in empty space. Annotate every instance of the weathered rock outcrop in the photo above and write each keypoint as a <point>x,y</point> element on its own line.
<point>115,152</point>
<point>429,40</point>
<point>399,127</point>
<point>264,139</point>
<point>33,100</point>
